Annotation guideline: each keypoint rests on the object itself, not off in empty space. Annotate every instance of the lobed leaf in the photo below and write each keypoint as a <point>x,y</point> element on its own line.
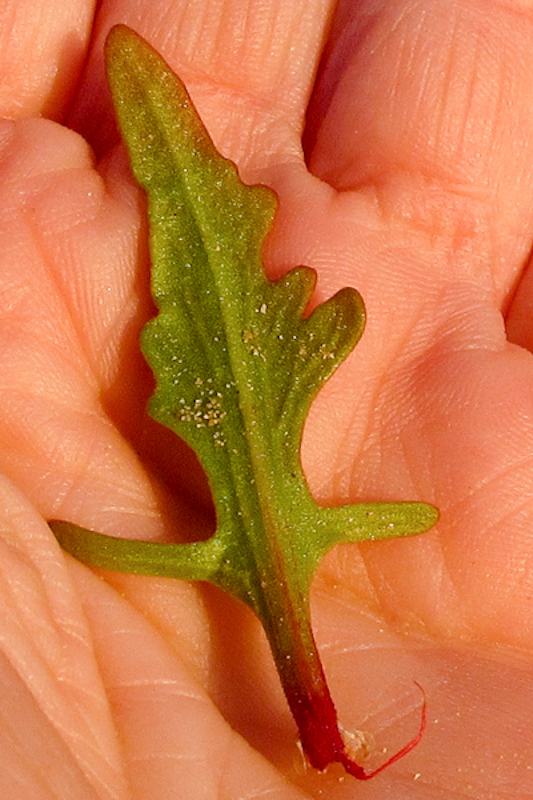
<point>237,365</point>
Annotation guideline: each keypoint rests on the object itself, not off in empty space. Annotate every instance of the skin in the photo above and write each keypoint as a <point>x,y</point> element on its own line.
<point>417,188</point>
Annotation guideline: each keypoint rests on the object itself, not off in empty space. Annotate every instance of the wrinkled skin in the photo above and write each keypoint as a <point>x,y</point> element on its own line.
<point>416,188</point>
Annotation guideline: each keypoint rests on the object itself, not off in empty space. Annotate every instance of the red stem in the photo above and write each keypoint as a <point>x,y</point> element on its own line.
<point>310,701</point>
<point>320,736</point>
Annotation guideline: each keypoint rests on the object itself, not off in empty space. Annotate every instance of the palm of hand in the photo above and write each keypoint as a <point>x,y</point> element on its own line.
<point>113,683</point>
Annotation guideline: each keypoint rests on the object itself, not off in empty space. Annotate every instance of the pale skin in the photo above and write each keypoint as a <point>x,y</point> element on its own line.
<point>418,191</point>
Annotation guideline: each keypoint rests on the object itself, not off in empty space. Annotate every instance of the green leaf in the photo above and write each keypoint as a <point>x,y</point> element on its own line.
<point>237,365</point>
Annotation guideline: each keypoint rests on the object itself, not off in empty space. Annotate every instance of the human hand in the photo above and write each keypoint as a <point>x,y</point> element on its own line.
<point>418,143</point>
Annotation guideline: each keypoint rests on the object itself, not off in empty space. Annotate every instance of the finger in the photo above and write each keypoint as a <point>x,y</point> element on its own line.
<point>69,317</point>
<point>42,48</point>
<point>429,104</point>
<point>171,733</point>
<point>57,734</point>
<point>248,65</point>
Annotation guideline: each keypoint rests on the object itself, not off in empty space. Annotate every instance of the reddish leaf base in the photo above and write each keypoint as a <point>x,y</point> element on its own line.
<point>322,741</point>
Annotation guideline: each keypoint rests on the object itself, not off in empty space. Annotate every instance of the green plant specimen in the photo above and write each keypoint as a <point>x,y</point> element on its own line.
<point>237,366</point>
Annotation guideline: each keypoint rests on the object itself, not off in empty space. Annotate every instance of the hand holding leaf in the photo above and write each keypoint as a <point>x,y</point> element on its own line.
<point>237,366</point>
